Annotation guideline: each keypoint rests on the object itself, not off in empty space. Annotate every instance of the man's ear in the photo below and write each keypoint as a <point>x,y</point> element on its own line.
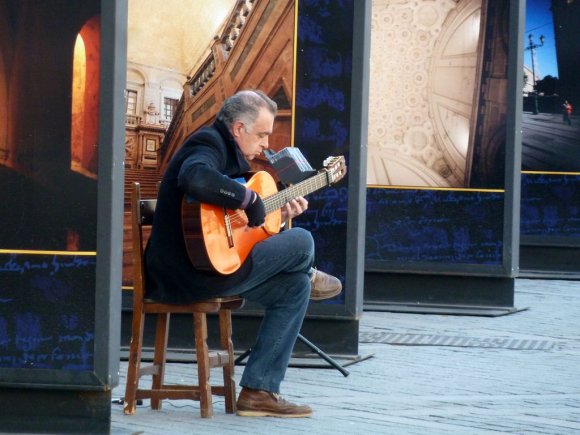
<point>237,128</point>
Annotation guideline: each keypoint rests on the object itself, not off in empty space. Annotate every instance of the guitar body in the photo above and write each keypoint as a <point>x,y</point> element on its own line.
<point>219,239</point>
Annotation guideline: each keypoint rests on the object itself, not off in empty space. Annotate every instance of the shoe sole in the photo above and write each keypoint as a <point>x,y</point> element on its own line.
<point>271,414</point>
<point>326,295</point>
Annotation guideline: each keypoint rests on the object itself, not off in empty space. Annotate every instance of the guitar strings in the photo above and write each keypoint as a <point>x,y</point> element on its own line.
<point>278,199</point>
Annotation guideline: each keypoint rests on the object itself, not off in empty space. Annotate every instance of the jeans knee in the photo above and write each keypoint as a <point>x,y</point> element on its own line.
<point>303,240</point>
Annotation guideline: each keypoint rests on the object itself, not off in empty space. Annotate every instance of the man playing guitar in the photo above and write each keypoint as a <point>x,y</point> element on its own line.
<point>277,271</point>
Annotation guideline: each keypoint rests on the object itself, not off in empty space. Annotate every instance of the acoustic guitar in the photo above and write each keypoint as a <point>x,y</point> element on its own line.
<point>218,239</point>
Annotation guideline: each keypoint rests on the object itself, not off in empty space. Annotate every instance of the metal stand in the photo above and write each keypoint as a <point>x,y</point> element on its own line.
<point>311,346</point>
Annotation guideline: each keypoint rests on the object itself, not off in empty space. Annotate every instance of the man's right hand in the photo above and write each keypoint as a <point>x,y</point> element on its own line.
<point>255,211</point>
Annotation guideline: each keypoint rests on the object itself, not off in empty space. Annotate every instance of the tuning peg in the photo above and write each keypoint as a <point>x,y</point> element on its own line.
<point>327,161</point>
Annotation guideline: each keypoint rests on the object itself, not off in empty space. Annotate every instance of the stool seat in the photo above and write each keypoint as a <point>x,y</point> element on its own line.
<point>142,216</point>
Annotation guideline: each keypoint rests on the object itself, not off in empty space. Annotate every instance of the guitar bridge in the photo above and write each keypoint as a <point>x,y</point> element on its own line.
<point>228,226</point>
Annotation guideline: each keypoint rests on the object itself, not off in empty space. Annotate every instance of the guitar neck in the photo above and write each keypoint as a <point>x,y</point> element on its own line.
<point>312,184</point>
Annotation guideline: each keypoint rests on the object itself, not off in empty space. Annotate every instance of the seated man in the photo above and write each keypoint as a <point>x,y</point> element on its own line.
<point>278,272</point>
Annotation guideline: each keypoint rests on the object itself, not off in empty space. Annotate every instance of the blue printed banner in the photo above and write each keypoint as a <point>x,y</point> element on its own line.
<point>322,127</point>
<point>550,205</point>
<point>436,226</point>
<point>47,311</point>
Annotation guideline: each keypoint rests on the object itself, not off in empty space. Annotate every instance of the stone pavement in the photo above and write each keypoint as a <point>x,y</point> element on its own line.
<point>435,374</point>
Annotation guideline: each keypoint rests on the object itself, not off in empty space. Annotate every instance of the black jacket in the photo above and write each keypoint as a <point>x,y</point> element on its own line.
<point>204,168</point>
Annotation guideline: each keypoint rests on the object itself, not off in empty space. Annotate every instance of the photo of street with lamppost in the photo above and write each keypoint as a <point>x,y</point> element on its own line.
<point>551,93</point>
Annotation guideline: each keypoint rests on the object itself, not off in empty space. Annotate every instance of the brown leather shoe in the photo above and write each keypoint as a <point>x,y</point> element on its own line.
<point>323,285</point>
<point>259,403</point>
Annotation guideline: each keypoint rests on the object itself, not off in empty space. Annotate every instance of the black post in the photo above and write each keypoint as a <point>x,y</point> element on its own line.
<point>532,47</point>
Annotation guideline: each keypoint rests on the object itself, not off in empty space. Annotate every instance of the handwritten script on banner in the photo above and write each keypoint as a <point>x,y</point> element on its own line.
<point>434,226</point>
<point>47,311</point>
<point>550,205</point>
<point>322,113</point>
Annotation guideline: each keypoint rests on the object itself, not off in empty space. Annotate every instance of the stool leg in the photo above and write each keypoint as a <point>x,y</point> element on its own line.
<point>203,369</point>
<point>160,352</point>
<point>134,362</point>
<point>228,369</point>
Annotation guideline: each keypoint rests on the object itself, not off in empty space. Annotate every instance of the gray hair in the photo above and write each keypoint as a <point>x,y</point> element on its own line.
<point>245,106</point>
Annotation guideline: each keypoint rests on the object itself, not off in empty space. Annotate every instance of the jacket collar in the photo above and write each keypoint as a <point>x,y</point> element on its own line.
<point>232,145</point>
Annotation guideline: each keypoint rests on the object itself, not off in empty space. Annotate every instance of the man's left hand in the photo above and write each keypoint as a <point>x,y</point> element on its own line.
<point>294,208</point>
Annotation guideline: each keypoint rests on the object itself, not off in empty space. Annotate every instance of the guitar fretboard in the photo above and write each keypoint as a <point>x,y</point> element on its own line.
<point>312,184</point>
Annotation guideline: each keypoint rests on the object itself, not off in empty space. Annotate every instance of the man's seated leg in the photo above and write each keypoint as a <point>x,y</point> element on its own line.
<point>280,282</point>
<point>285,297</point>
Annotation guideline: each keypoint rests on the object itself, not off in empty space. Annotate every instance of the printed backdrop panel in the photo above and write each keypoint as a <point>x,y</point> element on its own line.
<point>550,124</point>
<point>47,316</point>
<point>322,120</point>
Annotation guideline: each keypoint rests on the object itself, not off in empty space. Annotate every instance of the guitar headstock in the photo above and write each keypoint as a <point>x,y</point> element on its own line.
<point>335,168</point>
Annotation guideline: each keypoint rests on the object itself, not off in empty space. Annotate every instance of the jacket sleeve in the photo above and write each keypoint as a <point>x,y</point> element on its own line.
<point>201,178</point>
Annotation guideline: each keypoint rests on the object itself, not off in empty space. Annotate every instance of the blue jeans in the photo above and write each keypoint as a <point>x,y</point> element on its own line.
<point>280,281</point>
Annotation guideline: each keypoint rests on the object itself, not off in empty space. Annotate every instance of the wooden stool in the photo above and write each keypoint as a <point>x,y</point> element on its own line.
<point>142,216</point>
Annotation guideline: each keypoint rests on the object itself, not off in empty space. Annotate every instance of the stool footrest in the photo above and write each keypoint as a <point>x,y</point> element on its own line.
<point>218,358</point>
<point>149,370</point>
<point>170,393</point>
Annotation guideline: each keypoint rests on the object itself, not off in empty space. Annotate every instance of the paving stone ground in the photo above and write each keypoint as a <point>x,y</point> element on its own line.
<point>428,374</point>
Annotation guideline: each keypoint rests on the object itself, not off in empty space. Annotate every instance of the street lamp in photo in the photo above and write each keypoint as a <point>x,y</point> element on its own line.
<point>532,46</point>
